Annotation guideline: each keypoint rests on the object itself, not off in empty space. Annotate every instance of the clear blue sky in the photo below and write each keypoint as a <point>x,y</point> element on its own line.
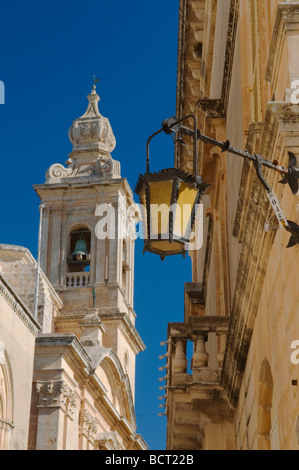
<point>49,54</point>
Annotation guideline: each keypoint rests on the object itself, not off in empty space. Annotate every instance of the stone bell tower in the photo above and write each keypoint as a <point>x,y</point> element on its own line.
<point>87,246</point>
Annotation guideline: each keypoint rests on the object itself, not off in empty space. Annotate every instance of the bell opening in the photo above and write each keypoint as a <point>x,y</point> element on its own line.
<point>78,259</point>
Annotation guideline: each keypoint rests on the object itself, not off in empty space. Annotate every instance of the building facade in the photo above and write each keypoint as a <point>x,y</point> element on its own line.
<point>238,73</point>
<point>18,330</point>
<point>76,382</point>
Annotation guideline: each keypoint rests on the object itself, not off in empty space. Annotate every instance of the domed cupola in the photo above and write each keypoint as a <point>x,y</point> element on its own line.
<point>91,133</point>
<point>93,141</point>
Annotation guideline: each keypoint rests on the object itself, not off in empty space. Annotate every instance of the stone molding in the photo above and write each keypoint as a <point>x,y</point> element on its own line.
<point>286,20</point>
<point>106,441</point>
<point>280,133</point>
<point>18,306</point>
<point>211,108</point>
<point>216,108</point>
<point>117,318</point>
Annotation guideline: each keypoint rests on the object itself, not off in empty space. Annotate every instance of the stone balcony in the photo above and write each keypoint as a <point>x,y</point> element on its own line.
<point>194,394</point>
<point>208,336</point>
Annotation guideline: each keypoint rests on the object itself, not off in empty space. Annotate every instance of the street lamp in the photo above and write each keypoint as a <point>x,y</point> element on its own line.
<point>170,200</point>
<point>170,197</point>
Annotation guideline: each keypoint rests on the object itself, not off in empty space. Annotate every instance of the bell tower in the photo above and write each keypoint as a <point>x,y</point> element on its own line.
<point>88,236</point>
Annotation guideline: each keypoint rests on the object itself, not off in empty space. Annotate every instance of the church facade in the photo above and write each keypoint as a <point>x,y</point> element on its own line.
<point>67,364</point>
<point>238,74</point>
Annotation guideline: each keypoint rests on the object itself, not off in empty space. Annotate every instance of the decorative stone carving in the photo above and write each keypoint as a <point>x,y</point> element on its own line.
<point>93,141</point>
<point>59,171</point>
<point>48,393</point>
<point>92,128</point>
<point>109,168</point>
<point>56,394</point>
<point>68,399</point>
<point>89,425</point>
<point>56,211</point>
<point>104,167</point>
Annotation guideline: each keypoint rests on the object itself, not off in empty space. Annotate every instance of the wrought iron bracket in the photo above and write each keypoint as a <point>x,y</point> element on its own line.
<point>290,174</point>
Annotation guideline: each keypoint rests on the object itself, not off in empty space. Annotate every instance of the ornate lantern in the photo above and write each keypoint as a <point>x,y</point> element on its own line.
<point>169,198</point>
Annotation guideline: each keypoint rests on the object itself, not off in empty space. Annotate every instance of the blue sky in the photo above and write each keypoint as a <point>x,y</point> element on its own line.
<point>49,54</point>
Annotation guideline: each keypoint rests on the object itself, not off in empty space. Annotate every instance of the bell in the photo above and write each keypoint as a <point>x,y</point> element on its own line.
<point>80,250</point>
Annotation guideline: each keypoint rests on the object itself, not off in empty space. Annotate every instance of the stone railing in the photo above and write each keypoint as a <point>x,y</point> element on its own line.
<point>200,331</point>
<point>77,280</point>
<point>194,373</point>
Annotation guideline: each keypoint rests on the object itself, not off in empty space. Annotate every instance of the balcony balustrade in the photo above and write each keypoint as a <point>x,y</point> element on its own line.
<point>203,362</point>
<point>77,280</point>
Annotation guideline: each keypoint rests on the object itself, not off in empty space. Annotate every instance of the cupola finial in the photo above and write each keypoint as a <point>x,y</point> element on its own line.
<point>94,81</point>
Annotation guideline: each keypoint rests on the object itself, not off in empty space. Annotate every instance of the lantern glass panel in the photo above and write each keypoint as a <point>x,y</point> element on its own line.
<point>160,201</point>
<point>183,210</point>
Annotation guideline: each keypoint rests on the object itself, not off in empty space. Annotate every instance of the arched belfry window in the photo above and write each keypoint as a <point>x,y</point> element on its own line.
<point>78,259</point>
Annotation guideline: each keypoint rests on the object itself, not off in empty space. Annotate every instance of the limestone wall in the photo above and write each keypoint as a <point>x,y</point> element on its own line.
<point>17,337</point>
